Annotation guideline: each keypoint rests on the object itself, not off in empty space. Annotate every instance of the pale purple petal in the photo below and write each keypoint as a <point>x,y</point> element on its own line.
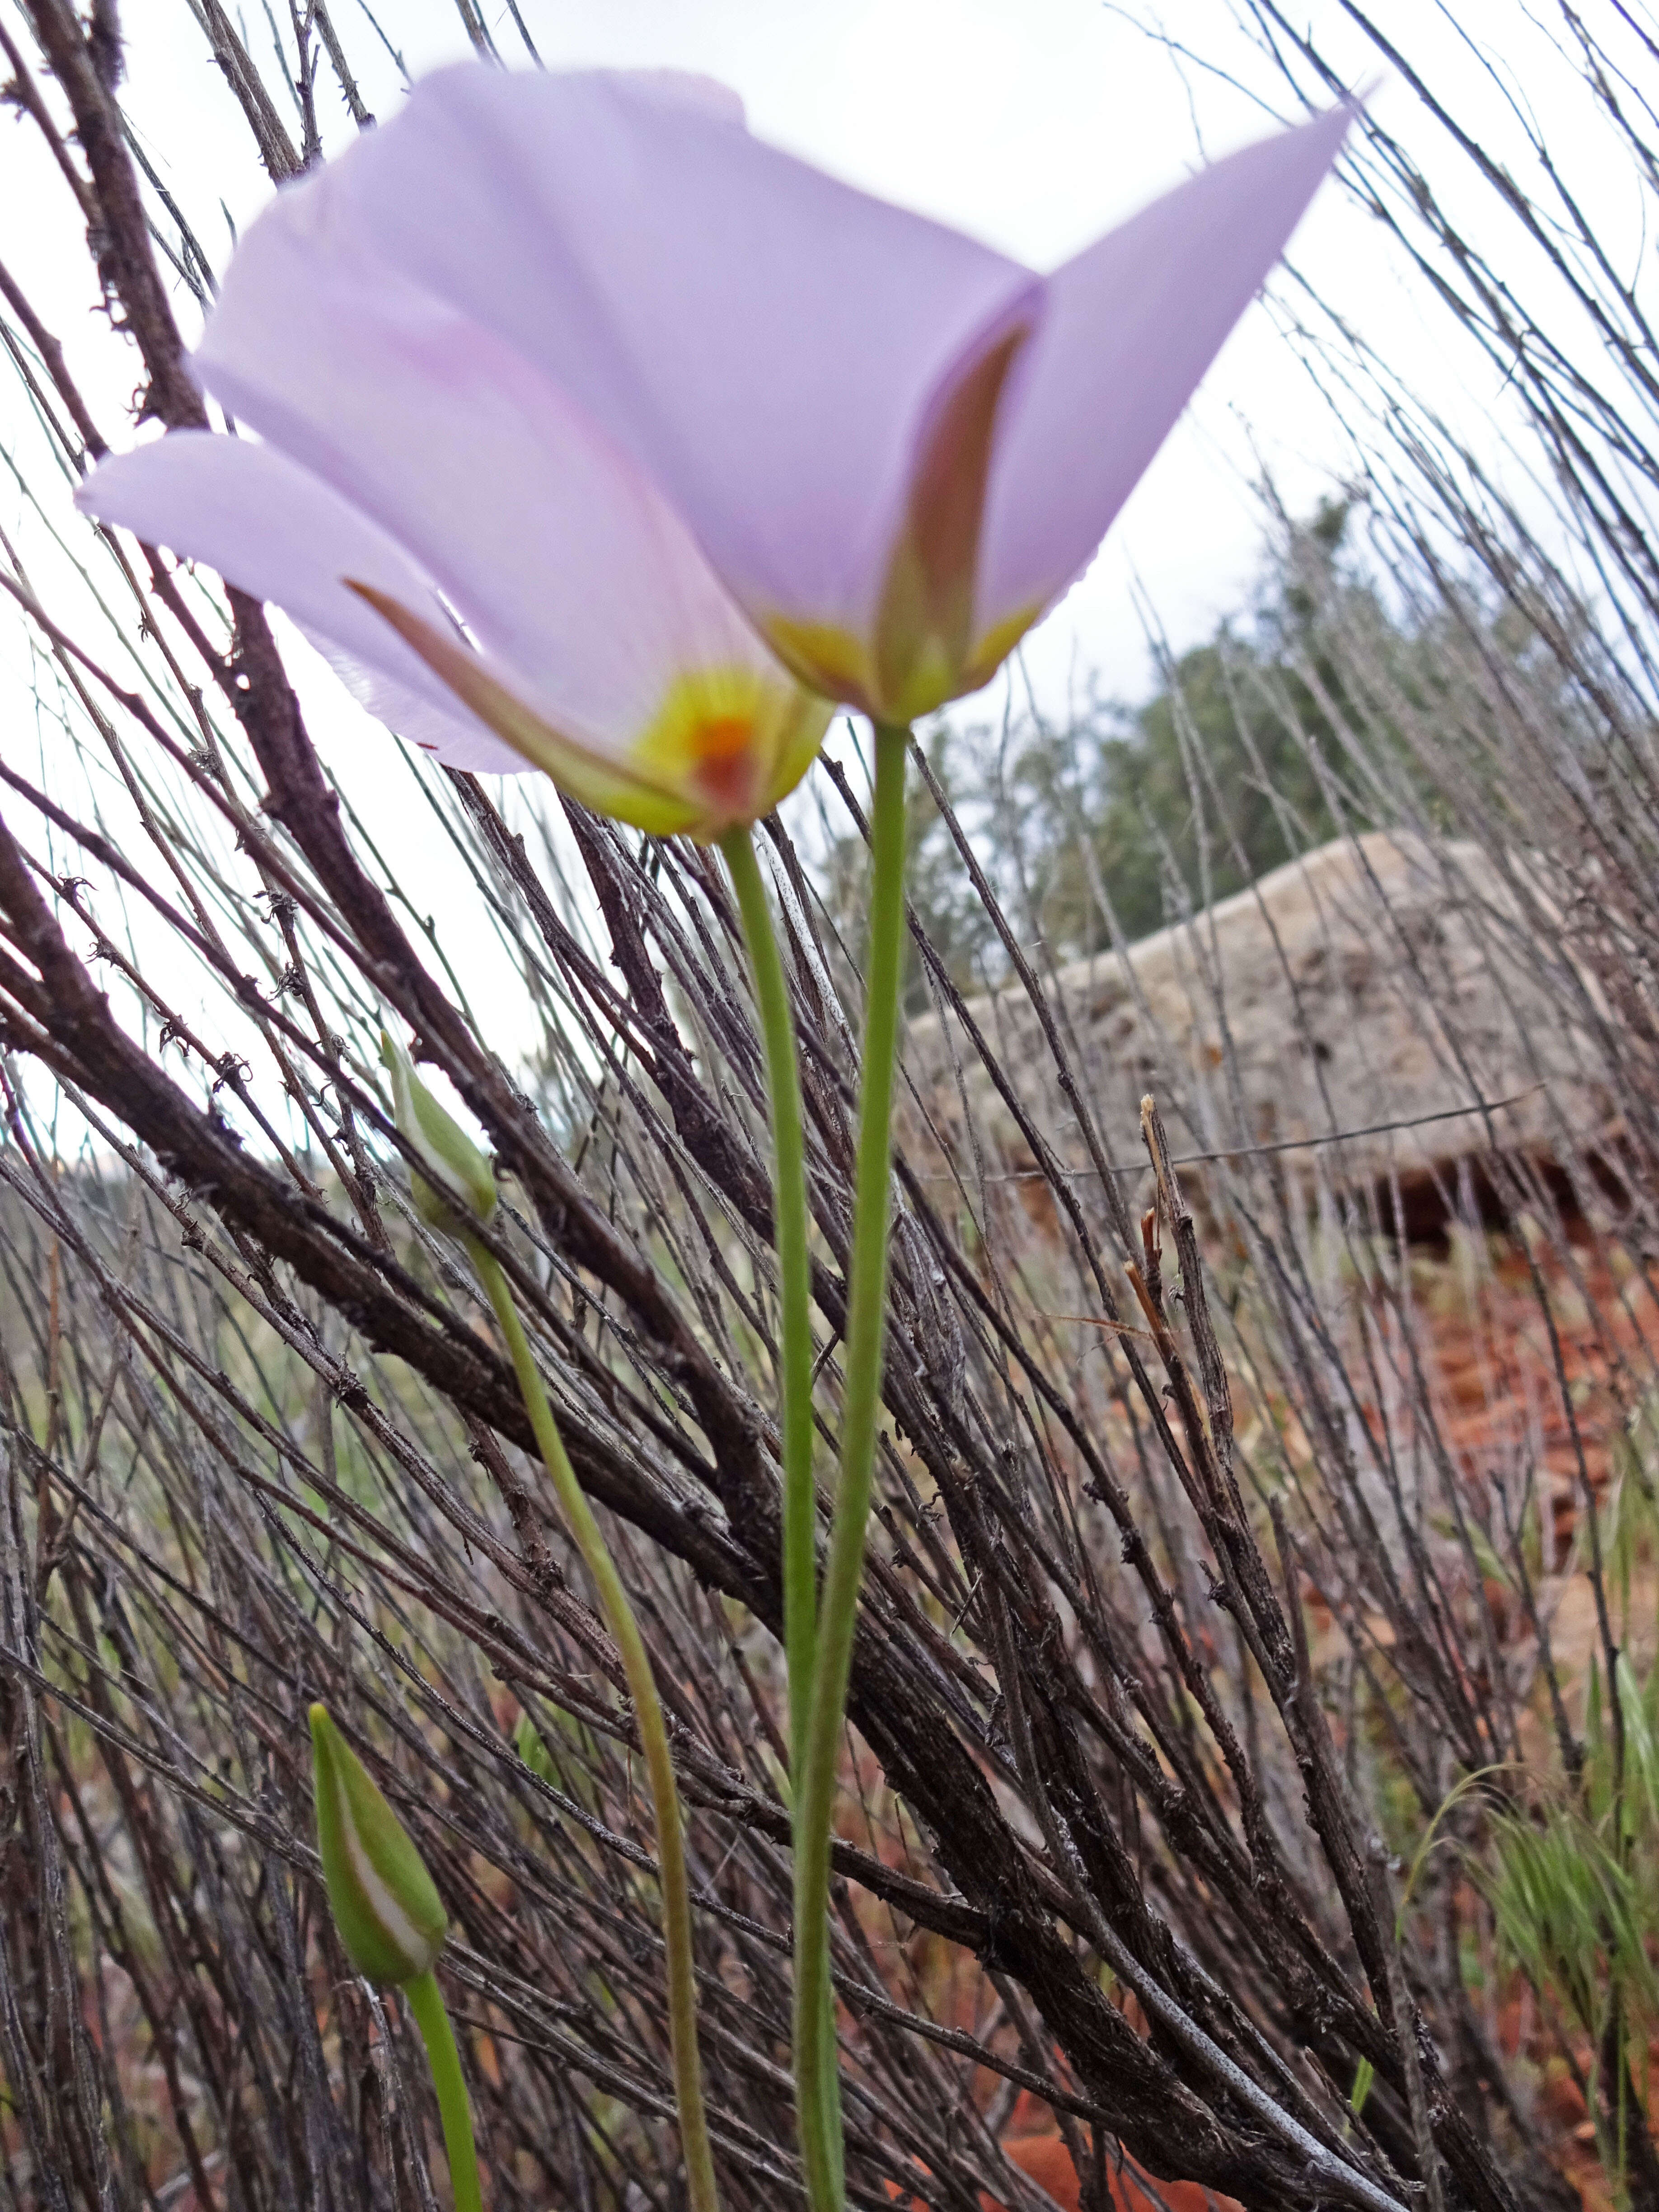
<point>455,737</point>
<point>278,533</point>
<point>1132,324</point>
<point>762,338</point>
<point>691,90</point>
<point>559,553</point>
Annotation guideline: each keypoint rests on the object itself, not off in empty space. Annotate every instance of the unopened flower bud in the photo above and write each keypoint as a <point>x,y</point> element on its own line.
<point>456,1188</point>
<point>382,1897</point>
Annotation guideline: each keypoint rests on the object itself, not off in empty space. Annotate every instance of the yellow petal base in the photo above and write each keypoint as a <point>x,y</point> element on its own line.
<point>724,747</point>
<point>842,667</point>
<point>736,738</point>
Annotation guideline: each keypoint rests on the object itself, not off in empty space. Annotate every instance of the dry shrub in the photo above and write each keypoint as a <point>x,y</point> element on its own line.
<point>1239,1619</point>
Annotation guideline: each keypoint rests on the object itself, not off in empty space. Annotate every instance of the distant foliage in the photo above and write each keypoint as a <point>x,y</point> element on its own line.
<point>1128,817</point>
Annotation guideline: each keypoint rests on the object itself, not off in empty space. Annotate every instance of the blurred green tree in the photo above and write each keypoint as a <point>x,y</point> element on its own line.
<point>1128,817</point>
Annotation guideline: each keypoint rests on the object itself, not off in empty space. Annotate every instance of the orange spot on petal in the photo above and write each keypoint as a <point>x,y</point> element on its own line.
<point>722,750</point>
<point>722,737</point>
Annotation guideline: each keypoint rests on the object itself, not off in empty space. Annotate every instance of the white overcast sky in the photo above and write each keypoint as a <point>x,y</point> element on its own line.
<point>1035,124</point>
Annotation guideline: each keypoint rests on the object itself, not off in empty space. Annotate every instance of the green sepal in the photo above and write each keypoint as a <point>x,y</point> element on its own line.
<point>382,1897</point>
<point>459,1187</point>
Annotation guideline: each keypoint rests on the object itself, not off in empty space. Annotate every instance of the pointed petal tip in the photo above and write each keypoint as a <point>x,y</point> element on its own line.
<point>1133,324</point>
<point>92,496</point>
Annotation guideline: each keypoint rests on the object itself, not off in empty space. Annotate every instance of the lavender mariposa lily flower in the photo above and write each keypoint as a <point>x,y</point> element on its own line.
<point>553,352</point>
<point>491,575</point>
<point>895,447</point>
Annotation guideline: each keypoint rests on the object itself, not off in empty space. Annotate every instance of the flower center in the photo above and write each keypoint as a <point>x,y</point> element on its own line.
<point>722,750</point>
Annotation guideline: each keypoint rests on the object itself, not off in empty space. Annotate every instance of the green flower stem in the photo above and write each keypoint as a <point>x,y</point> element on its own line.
<point>867,1318</point>
<point>794,1279</point>
<point>791,1232</point>
<point>445,2060</point>
<point>654,1738</point>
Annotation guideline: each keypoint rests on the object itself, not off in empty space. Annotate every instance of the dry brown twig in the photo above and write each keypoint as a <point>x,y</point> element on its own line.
<point>1126,1742</point>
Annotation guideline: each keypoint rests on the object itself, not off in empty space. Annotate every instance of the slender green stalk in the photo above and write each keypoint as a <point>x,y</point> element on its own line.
<point>867,1318</point>
<point>795,1332</point>
<point>439,2037</point>
<point>654,1738</point>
